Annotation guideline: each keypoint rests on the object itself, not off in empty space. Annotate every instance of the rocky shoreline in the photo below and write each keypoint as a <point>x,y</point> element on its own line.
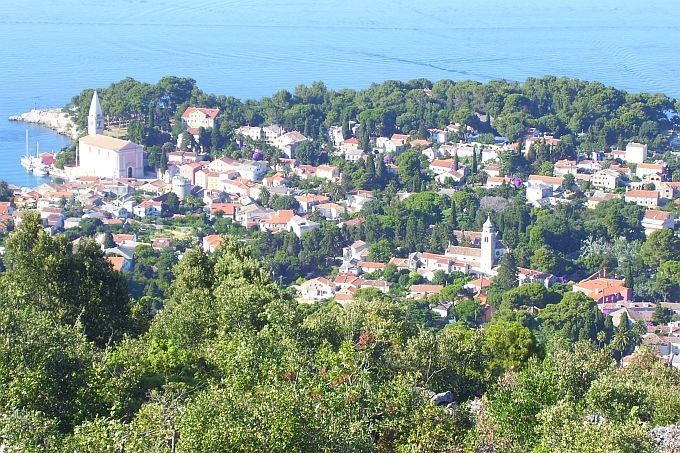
<point>54,119</point>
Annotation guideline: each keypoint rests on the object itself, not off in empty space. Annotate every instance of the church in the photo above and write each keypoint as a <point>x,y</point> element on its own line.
<point>103,156</point>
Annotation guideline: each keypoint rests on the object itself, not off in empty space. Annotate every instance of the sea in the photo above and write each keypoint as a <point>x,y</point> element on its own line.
<point>51,50</point>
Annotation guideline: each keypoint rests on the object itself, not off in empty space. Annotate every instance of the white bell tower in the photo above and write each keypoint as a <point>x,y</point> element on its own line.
<point>488,252</point>
<point>95,119</point>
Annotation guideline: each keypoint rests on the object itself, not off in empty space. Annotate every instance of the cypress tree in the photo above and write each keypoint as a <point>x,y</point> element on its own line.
<point>381,172</point>
<point>474,159</point>
<point>507,273</point>
<point>370,171</point>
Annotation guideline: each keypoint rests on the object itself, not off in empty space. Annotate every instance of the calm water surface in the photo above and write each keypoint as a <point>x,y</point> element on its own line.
<point>50,50</point>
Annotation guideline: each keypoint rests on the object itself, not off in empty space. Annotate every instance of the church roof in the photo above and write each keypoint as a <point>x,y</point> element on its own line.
<point>106,142</point>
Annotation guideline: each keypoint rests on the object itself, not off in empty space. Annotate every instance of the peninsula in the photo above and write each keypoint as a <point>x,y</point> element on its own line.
<point>54,119</point>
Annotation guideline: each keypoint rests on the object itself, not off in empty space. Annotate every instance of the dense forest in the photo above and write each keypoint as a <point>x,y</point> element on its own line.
<point>232,363</point>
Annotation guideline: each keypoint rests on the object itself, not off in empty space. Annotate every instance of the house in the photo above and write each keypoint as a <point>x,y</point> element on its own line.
<point>669,190</point>
<point>307,201</point>
<point>335,135</point>
<point>211,243</point>
<point>442,309</point>
<point>636,152</point>
<point>423,291</point>
<point>434,262</point>
<point>605,179</point>
<point>148,208</point>
<point>300,225</point>
<point>272,132</point>
<point>395,144</point>
<point>182,157</point>
<point>565,167</point>
<point>350,144</point>
<point>525,275</point>
<point>227,209</point>
<point>119,263</point>
<point>603,290</point>
<point>380,285</point>
<point>319,288</point>
<point>354,155</point>
<point>328,172</point>
<point>289,142</point>
<point>448,169</point>
<point>554,181</point>
<point>478,285</point>
<point>643,170</point>
<point>189,171</point>
<point>278,221</point>
<point>276,180</point>
<point>496,181</point>
<point>598,197</point>
<point>195,117</point>
<point>655,220</point>
<point>254,133</point>
<point>366,267</point>
<point>492,169</point>
<point>537,191</point>
<point>358,250</point>
<point>550,141</point>
<point>437,135</point>
<point>330,211</point>
<point>161,243</point>
<point>420,143</point>
<point>633,315</point>
<point>647,198</point>
<point>356,200</point>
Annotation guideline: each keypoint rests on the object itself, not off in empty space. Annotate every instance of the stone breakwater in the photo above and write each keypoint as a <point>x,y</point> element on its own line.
<point>54,119</point>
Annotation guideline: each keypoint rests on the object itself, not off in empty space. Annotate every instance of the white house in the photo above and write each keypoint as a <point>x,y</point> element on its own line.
<point>648,198</point>
<point>605,179</point>
<point>196,117</point>
<point>289,142</point>
<point>655,220</point>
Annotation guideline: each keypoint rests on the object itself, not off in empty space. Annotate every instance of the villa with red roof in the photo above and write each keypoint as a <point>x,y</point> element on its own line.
<point>196,117</point>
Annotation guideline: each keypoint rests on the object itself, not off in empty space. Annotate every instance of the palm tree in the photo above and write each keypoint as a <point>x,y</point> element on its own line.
<point>622,341</point>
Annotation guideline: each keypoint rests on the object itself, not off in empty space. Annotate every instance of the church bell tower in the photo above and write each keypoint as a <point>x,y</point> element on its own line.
<point>488,252</point>
<point>95,119</point>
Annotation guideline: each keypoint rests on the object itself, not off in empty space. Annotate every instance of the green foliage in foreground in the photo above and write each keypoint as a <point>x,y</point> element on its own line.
<point>232,363</point>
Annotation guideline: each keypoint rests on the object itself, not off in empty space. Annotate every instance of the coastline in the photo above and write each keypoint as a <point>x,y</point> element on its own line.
<point>54,119</point>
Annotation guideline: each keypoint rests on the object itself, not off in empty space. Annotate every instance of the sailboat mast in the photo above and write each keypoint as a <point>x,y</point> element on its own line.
<point>26,142</point>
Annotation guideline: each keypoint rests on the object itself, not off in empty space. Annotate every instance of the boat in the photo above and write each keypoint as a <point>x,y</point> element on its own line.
<point>26,160</point>
<point>39,169</point>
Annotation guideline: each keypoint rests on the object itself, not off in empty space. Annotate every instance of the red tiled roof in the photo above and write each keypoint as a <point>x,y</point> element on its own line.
<point>211,113</point>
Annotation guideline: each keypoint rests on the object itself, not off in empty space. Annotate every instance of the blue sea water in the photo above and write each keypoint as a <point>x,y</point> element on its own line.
<point>50,50</point>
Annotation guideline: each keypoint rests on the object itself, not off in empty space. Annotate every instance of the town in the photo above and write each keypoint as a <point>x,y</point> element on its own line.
<point>292,194</point>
